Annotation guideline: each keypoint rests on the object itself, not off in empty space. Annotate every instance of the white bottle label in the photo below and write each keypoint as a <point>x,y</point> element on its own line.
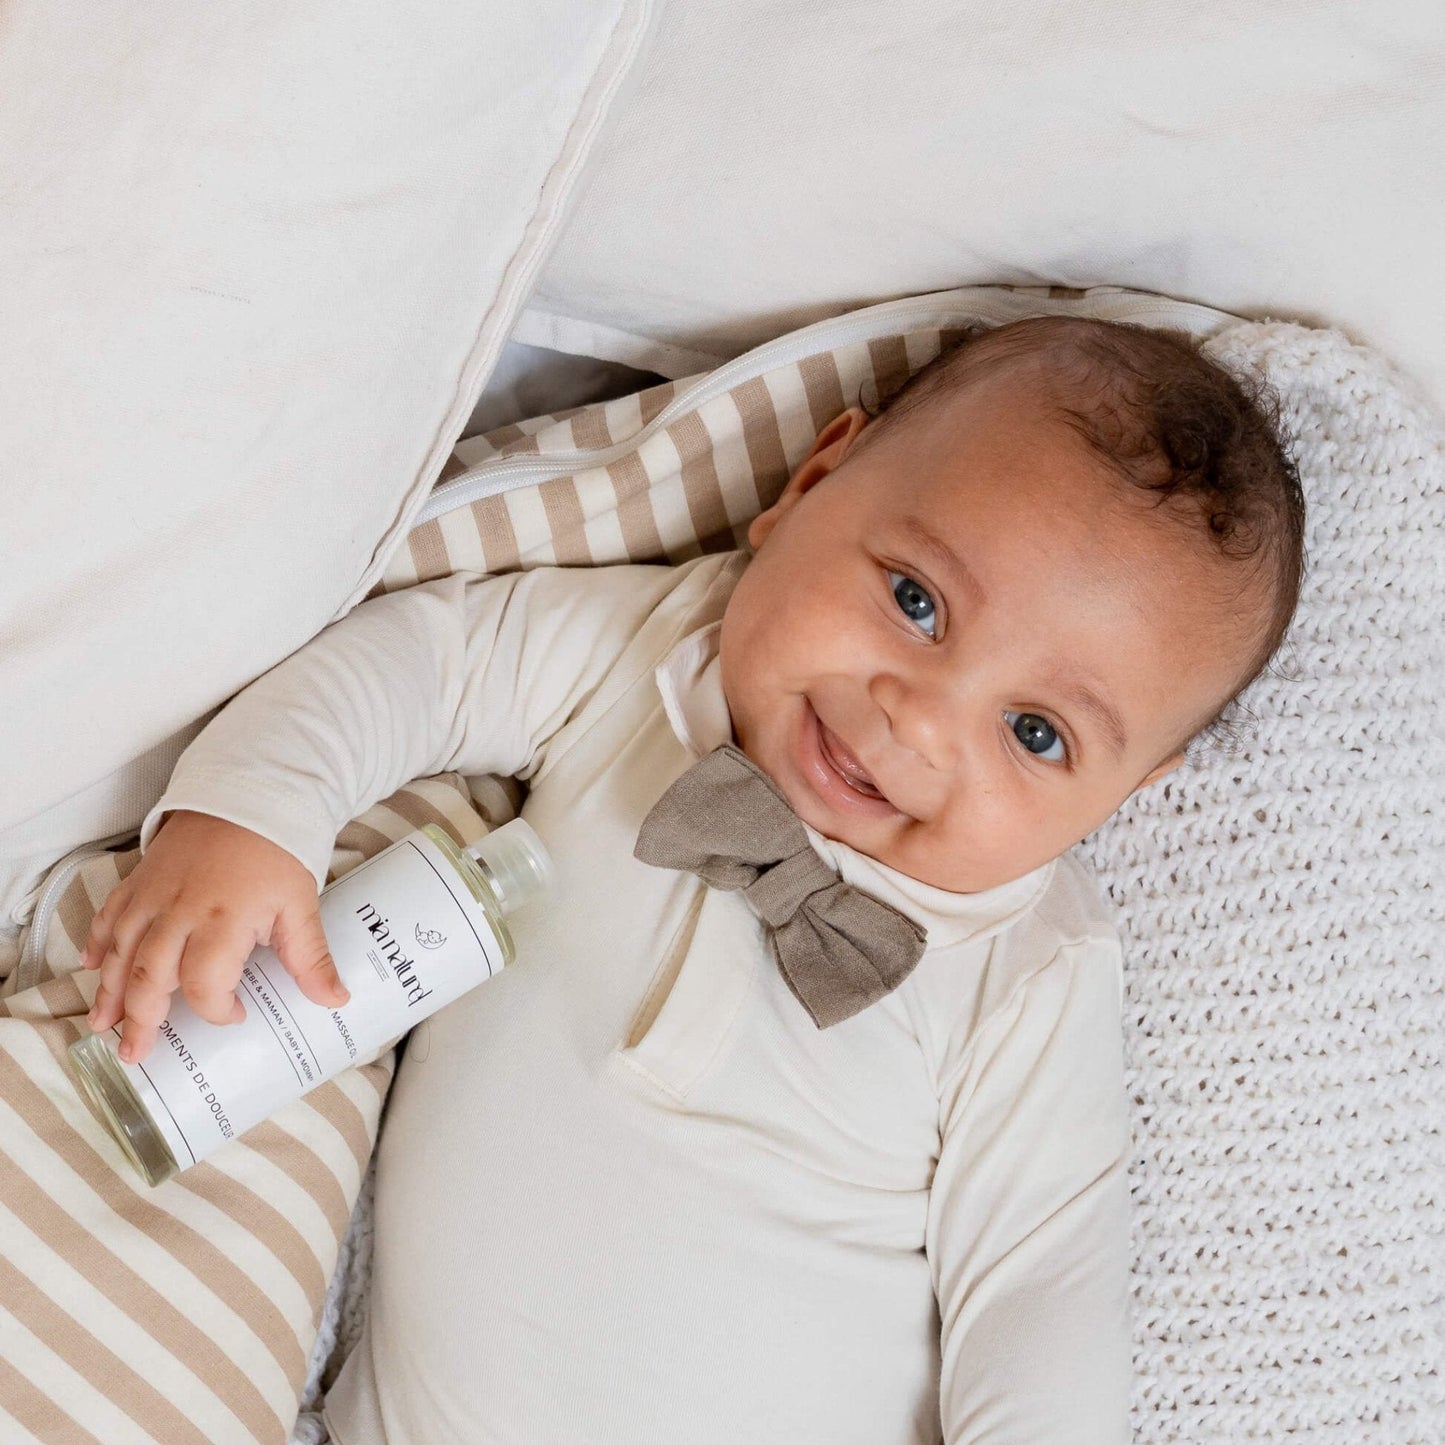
<point>407,937</point>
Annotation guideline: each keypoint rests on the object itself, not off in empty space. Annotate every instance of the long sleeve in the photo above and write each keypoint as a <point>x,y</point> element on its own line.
<point>465,673</point>
<point>1028,1217</point>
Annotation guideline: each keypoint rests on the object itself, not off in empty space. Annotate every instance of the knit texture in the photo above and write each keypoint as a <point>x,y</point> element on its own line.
<point>1284,933</point>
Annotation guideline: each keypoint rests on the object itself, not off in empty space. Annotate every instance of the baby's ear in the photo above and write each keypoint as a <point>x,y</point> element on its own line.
<point>829,448</point>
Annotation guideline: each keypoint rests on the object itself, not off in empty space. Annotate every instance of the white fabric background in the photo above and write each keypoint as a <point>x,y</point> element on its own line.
<point>255,264</point>
<point>778,162</point>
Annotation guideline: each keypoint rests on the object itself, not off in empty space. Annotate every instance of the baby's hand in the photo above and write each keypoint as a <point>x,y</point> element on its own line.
<point>203,896</point>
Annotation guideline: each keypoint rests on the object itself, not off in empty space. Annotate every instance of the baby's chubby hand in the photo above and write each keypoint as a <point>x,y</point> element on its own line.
<point>205,894</point>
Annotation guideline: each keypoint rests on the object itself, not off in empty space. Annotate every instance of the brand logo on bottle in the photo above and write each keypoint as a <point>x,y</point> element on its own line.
<point>401,965</point>
<point>429,937</point>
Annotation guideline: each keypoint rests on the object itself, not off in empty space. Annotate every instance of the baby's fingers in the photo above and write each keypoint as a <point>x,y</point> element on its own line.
<point>144,993</point>
<point>102,926</point>
<point>211,968</point>
<point>127,929</point>
<point>301,946</point>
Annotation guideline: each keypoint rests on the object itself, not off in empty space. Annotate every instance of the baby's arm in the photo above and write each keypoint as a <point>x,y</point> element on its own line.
<point>469,674</point>
<point>205,894</point>
<point>1029,1218</point>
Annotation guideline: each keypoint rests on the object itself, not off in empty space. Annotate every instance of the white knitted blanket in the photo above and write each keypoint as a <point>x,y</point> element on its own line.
<point>1284,934</point>
<point>1284,927</point>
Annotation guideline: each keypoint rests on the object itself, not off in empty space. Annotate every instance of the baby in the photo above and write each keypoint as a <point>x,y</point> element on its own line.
<point>649,1184</point>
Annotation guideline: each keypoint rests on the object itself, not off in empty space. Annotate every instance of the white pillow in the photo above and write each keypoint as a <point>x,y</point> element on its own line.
<point>258,261</point>
<point>789,160</point>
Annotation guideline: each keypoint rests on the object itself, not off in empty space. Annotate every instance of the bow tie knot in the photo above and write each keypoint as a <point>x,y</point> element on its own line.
<point>839,949</point>
<point>777,893</point>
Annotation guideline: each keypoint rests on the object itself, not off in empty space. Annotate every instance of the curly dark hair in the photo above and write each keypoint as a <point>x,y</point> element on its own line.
<point>1169,420</point>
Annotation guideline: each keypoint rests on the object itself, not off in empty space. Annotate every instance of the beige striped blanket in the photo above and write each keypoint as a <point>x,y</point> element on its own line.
<point>1285,1026</point>
<point>182,1315</point>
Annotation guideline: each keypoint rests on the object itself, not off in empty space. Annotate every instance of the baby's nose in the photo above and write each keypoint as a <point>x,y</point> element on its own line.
<point>920,719</point>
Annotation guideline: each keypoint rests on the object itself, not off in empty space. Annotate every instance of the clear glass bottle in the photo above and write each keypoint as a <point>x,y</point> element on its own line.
<point>410,930</point>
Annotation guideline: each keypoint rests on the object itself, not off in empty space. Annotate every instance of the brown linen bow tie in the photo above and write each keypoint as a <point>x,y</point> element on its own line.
<point>839,949</point>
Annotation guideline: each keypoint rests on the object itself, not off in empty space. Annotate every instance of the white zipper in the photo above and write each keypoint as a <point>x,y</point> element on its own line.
<point>27,967</point>
<point>938,311</point>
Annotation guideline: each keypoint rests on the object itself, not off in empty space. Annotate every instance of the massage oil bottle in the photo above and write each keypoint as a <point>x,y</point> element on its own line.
<point>410,930</point>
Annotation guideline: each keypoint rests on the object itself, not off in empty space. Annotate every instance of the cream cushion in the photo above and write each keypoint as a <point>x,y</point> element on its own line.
<point>781,162</point>
<point>258,261</point>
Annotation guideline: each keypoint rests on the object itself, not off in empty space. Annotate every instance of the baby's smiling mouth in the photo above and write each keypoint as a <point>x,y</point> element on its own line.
<point>845,764</point>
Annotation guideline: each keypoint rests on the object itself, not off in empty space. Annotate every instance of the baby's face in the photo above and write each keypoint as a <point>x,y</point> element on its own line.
<point>959,648</point>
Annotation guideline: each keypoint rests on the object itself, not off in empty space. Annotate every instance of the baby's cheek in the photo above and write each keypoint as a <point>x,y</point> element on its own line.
<point>965,852</point>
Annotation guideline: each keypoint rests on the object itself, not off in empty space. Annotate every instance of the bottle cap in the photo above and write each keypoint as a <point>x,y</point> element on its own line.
<point>521,867</point>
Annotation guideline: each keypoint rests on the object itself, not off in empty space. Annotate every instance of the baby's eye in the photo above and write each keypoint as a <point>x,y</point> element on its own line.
<point>1037,735</point>
<point>917,605</point>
